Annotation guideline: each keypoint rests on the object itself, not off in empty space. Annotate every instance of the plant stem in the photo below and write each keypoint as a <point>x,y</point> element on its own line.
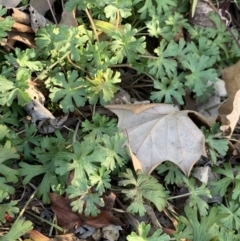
<point>180,196</point>
<point>92,23</point>
<point>148,57</point>
<point>46,221</point>
<point>24,208</point>
<point>51,66</point>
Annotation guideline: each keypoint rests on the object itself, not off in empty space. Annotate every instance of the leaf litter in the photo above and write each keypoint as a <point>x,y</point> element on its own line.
<point>160,132</point>
<point>156,133</point>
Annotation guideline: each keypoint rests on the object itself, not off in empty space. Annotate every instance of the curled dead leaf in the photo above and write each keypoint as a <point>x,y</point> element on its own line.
<point>229,111</point>
<point>68,219</point>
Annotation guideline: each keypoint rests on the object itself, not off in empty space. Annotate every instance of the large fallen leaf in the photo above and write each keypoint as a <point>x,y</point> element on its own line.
<point>229,110</point>
<point>10,3</point>
<point>41,6</point>
<point>160,132</point>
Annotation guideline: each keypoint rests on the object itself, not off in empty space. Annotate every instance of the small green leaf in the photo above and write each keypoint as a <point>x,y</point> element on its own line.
<point>101,179</point>
<point>196,196</point>
<point>102,86</point>
<point>83,159</point>
<point>9,90</point>
<point>144,187</point>
<point>69,90</point>
<point>8,152</point>
<point>85,201</point>
<point>24,145</point>
<point>204,230</point>
<point>17,230</point>
<point>143,231</point>
<point>116,154</point>
<point>231,216</point>
<point>216,145</point>
<point>229,177</point>
<point>10,208</point>
<point>200,73</point>
<point>25,59</point>
<point>5,24</point>
<point>100,125</point>
<point>173,175</point>
<point>164,64</point>
<point>125,44</point>
<point>169,89</point>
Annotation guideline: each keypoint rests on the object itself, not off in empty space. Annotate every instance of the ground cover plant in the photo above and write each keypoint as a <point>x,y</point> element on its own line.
<point>119,120</point>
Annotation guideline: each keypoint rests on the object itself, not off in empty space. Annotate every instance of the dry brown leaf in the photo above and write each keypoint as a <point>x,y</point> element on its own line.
<point>37,236</point>
<point>136,163</point>
<point>233,117</point>
<point>9,3</point>
<point>228,111</point>
<point>41,6</point>
<point>68,18</point>
<point>160,132</point>
<point>67,219</point>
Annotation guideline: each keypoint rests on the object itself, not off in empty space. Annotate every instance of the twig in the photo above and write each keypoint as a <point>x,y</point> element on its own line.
<point>50,7</point>
<point>24,208</point>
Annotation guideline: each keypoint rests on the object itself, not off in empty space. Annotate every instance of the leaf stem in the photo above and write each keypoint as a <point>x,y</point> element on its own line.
<point>180,196</point>
<point>46,221</point>
<point>51,66</point>
<point>148,57</point>
<point>74,65</point>
<point>92,23</point>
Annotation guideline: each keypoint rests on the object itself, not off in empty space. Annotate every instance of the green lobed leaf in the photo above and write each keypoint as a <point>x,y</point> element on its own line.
<point>25,59</point>
<point>146,7</point>
<point>10,208</point>
<point>126,45</point>
<point>9,90</point>
<point>144,187</point>
<point>7,152</point>
<point>229,177</point>
<point>143,232</point>
<point>196,196</point>
<point>231,215</point>
<point>83,160</point>
<point>102,86</point>
<point>173,175</point>
<point>164,64</point>
<point>5,24</point>
<point>25,145</point>
<point>85,201</point>
<point>101,179</point>
<point>204,230</point>
<point>68,90</point>
<point>216,145</point>
<point>100,125</point>
<point>17,230</point>
<point>169,89</point>
<point>200,73</point>
<point>116,155</point>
